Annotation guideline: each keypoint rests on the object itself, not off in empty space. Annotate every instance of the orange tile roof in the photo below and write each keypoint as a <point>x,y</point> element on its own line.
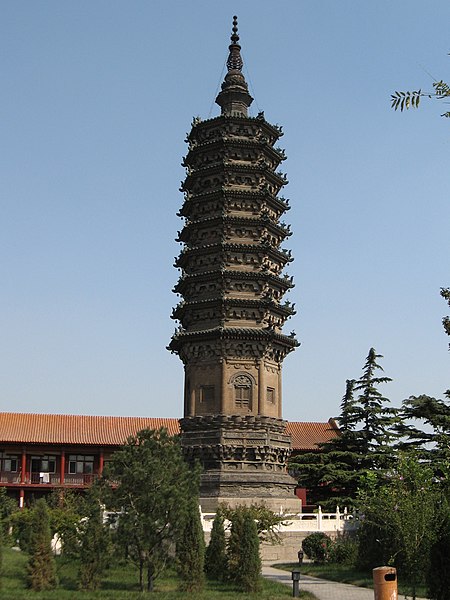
<point>307,435</point>
<point>114,431</point>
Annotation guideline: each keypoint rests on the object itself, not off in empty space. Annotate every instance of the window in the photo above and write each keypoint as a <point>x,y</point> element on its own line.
<point>207,393</point>
<point>80,464</point>
<point>9,463</point>
<point>270,395</point>
<point>43,464</point>
<point>243,391</point>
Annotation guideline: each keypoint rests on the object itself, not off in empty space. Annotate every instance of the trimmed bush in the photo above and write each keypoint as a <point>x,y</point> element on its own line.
<point>317,546</point>
<point>191,550</point>
<point>41,565</point>
<point>216,557</point>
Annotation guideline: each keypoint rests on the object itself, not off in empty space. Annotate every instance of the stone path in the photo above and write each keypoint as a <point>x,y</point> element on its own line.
<point>323,590</point>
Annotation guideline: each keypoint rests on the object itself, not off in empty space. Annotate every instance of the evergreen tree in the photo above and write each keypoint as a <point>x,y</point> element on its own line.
<point>93,545</point>
<point>41,564</point>
<point>216,558</point>
<point>366,424</point>
<point>370,411</point>
<point>431,412</point>
<point>234,542</point>
<point>191,550</point>
<point>445,293</point>
<point>248,569</point>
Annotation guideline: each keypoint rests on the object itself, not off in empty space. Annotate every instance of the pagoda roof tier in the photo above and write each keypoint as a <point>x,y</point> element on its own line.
<point>269,336</point>
<point>186,279</point>
<point>234,168</point>
<point>225,145</point>
<point>192,199</point>
<point>279,256</point>
<point>202,127</point>
<point>285,310</point>
<point>262,221</point>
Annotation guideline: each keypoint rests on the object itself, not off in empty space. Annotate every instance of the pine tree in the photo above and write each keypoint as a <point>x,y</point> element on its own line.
<point>366,423</point>
<point>216,558</point>
<point>431,443</point>
<point>41,564</point>
<point>371,412</point>
<point>191,550</point>
<point>93,546</point>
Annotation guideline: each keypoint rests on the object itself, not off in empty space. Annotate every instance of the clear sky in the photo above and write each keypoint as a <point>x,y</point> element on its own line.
<point>96,99</point>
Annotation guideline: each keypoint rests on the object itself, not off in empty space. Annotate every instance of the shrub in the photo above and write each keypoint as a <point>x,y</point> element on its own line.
<point>316,546</point>
<point>438,577</point>
<point>343,550</point>
<point>41,565</point>
<point>244,562</point>
<point>216,559</point>
<point>93,547</point>
<point>191,550</point>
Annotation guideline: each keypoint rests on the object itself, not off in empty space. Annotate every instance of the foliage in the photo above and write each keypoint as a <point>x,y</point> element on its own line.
<point>150,485</point>
<point>432,444</point>
<point>316,546</point>
<point>191,550</point>
<point>94,545</point>
<point>399,512</point>
<point>445,293</point>
<point>266,520</point>
<point>119,583</point>
<point>21,528</point>
<point>244,562</point>
<point>66,509</point>
<point>406,100</point>
<point>8,507</point>
<point>438,576</point>
<point>343,550</point>
<point>364,442</point>
<point>41,564</point>
<point>216,557</point>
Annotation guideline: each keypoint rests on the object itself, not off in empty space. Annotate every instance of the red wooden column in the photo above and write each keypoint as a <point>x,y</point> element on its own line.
<point>24,466</point>
<point>62,466</point>
<point>101,462</point>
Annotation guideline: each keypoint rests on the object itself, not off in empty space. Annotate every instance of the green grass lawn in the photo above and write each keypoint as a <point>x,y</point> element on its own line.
<point>120,583</point>
<point>344,574</point>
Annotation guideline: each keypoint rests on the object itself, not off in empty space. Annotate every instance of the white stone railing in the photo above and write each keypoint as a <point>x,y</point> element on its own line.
<point>307,522</point>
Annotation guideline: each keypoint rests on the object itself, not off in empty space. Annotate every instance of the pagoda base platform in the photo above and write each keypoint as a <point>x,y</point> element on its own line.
<point>243,460</point>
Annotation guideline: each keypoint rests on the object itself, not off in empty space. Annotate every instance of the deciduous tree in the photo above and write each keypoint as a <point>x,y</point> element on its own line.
<point>150,486</point>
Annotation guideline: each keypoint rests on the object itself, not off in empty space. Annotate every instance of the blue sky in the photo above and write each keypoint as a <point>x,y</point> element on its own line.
<point>96,100</point>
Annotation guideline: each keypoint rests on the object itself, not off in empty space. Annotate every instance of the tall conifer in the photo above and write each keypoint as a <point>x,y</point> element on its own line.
<point>216,558</point>
<point>41,564</point>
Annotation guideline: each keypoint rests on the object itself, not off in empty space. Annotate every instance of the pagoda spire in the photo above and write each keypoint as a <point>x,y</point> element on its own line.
<point>234,98</point>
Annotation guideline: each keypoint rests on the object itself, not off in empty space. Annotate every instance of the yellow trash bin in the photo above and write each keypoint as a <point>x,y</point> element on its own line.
<point>385,583</point>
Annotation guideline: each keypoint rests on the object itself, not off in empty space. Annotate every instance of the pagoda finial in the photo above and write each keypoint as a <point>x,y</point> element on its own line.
<point>234,97</point>
<point>234,62</point>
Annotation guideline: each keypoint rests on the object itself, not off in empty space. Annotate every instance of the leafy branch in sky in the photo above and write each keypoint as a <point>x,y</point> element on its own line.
<point>406,100</point>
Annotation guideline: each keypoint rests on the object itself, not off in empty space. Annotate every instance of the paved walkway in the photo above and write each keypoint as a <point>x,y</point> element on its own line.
<point>323,590</point>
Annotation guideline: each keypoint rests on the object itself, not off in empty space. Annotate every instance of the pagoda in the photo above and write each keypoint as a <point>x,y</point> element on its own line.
<point>232,311</point>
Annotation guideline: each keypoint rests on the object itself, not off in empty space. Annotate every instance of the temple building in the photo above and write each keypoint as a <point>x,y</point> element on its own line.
<point>41,453</point>
<point>232,312</point>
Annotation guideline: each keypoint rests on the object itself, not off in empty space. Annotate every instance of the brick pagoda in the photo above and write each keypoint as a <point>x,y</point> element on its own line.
<point>231,315</point>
